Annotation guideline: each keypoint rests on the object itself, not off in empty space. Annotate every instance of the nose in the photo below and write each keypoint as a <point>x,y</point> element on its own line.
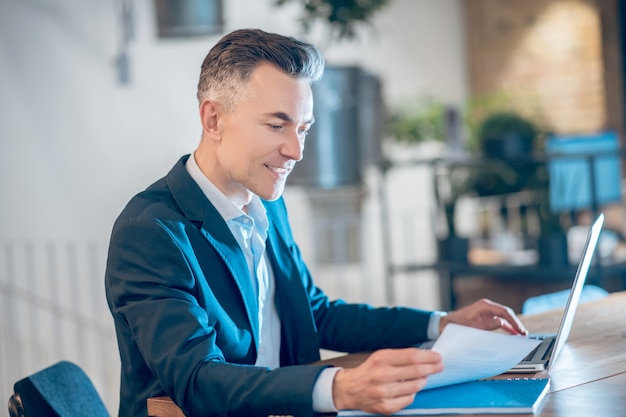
<point>293,147</point>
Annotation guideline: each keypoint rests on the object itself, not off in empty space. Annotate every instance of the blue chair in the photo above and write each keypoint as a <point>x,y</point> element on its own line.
<point>61,390</point>
<point>558,299</point>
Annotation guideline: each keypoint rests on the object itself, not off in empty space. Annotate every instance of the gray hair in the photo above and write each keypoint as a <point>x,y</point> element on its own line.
<point>230,63</point>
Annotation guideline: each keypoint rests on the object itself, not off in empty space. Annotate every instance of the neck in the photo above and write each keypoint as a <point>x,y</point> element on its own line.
<point>209,165</point>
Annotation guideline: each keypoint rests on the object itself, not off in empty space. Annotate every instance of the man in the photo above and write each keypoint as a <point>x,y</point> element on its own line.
<point>212,302</point>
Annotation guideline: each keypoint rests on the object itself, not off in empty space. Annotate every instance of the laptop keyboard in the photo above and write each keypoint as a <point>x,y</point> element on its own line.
<point>544,349</point>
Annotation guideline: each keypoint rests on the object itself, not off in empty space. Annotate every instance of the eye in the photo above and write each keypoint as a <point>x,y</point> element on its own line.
<point>304,129</point>
<point>275,127</point>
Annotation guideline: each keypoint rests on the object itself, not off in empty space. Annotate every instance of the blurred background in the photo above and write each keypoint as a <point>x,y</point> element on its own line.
<point>97,101</point>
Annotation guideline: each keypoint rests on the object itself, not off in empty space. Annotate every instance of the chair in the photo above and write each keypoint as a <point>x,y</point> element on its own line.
<point>163,407</point>
<point>545,302</point>
<point>61,390</point>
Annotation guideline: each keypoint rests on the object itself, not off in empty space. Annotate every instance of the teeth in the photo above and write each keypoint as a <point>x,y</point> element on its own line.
<point>279,170</point>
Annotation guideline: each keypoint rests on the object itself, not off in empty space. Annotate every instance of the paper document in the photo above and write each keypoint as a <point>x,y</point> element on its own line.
<point>469,354</point>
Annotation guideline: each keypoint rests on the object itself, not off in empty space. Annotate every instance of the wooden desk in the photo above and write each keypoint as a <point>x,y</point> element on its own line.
<point>588,379</point>
<point>596,348</point>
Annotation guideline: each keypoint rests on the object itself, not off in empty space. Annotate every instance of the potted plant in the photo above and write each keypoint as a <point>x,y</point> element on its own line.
<point>343,16</point>
<point>418,121</point>
<point>415,129</point>
<point>507,141</point>
<point>508,136</point>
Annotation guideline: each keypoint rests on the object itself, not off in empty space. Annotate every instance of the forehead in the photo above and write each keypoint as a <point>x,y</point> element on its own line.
<point>275,91</point>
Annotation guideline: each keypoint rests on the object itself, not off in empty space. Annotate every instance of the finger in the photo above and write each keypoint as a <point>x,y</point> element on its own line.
<point>416,364</point>
<point>511,319</point>
<point>511,323</point>
<point>495,323</point>
<point>402,389</point>
<point>388,406</point>
<point>517,325</point>
<point>507,327</point>
<point>409,386</point>
<point>414,372</point>
<point>405,356</point>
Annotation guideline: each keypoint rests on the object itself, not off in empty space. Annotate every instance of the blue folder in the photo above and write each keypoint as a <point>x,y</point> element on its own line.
<point>487,396</point>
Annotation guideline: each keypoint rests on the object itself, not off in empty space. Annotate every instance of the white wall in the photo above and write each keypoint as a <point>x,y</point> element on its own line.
<point>75,145</point>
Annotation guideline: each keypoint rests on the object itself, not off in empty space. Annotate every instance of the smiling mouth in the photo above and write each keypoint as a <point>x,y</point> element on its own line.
<point>279,170</point>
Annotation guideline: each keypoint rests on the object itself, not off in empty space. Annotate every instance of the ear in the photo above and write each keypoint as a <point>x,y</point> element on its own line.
<point>209,115</point>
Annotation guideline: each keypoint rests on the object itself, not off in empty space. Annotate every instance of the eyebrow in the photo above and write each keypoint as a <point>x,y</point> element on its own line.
<point>284,116</point>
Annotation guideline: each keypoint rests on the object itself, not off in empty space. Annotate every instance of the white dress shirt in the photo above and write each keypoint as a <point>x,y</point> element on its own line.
<point>250,231</point>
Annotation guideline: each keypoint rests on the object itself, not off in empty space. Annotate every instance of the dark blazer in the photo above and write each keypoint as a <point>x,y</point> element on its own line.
<point>185,310</point>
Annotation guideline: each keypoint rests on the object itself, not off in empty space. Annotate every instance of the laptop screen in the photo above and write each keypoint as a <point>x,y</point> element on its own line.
<point>577,288</point>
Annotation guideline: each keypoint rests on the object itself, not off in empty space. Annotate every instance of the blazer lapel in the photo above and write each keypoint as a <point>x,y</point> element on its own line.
<point>218,234</point>
<point>198,209</point>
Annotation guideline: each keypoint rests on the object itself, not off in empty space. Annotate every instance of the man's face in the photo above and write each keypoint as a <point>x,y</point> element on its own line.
<point>263,137</point>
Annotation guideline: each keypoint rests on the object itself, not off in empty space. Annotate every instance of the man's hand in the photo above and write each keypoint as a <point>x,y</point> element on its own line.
<point>487,315</point>
<point>386,382</point>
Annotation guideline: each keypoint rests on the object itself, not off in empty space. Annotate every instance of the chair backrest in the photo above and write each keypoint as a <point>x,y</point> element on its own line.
<point>61,390</point>
<point>545,302</point>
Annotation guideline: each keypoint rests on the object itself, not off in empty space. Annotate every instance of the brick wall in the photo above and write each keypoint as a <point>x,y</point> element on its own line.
<point>558,60</point>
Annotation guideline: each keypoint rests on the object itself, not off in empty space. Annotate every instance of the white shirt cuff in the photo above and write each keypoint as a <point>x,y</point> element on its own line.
<point>433,324</point>
<point>323,391</point>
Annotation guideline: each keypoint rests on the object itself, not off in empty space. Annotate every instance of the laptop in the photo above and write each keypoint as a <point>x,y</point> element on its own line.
<point>544,356</point>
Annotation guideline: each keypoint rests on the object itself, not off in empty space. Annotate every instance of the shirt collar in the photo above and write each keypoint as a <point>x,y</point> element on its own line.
<point>225,206</point>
